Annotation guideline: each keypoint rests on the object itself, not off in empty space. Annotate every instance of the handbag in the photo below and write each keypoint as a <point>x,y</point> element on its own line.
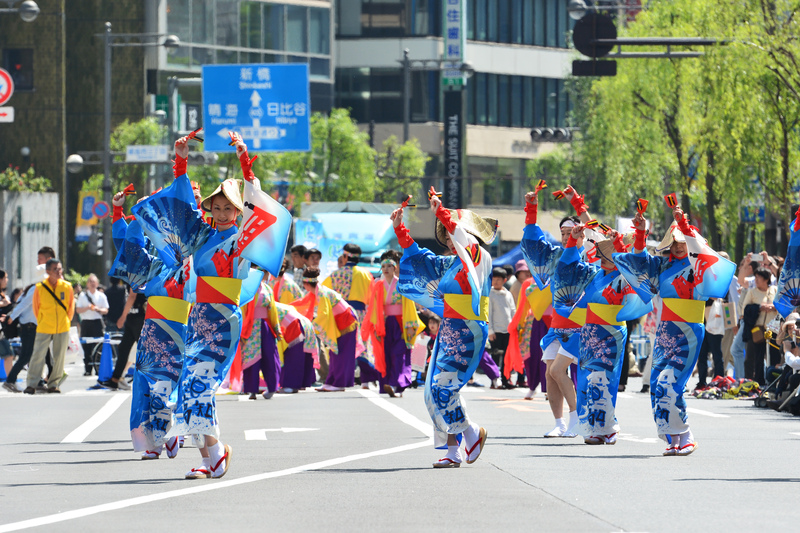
<point>757,334</point>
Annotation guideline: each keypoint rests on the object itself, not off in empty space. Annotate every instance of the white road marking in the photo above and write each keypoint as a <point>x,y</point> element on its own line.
<point>705,413</point>
<point>394,410</point>
<point>797,434</point>
<point>634,438</point>
<point>261,434</point>
<point>398,412</point>
<point>94,422</point>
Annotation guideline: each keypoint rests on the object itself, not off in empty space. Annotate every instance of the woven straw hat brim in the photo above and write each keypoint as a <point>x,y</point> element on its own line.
<point>484,229</point>
<point>673,235</point>
<point>231,189</point>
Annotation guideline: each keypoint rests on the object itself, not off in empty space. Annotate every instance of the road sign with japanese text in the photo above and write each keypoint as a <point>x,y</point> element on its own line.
<point>455,41</point>
<point>268,104</point>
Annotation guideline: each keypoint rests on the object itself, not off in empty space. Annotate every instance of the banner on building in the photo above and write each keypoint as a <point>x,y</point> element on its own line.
<point>453,149</point>
<point>86,218</point>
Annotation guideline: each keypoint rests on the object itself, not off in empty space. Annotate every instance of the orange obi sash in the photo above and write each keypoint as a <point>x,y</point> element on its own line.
<point>576,319</point>
<point>603,314</point>
<point>166,308</point>
<point>215,290</point>
<point>680,310</point>
<point>460,306</point>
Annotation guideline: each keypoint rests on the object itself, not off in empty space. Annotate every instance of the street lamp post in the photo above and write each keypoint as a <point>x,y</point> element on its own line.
<point>171,41</point>
<point>27,10</point>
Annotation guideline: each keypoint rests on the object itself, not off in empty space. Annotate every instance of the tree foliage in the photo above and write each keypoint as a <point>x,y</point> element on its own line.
<point>721,129</point>
<point>14,180</point>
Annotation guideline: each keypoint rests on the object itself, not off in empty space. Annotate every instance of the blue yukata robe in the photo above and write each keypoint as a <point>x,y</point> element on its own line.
<point>159,354</point>
<point>610,302</point>
<point>569,313</point>
<point>683,285</point>
<point>788,296</point>
<point>444,285</point>
<point>222,283</point>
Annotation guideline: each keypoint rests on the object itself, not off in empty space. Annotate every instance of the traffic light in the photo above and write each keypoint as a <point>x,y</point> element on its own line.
<point>95,243</point>
<point>202,158</point>
<point>552,135</point>
<point>587,31</point>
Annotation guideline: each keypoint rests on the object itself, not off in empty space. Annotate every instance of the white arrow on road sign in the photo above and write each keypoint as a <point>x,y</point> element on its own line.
<point>261,434</point>
<point>6,114</point>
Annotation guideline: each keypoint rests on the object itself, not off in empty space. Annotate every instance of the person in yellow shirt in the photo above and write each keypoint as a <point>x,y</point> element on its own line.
<point>54,307</point>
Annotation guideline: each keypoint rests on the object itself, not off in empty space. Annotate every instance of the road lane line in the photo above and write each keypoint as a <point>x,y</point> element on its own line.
<point>213,485</point>
<point>94,422</point>
<point>705,413</point>
<point>394,410</point>
<point>398,412</point>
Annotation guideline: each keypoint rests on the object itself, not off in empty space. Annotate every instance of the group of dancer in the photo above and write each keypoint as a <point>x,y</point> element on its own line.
<point>597,284</point>
<point>213,315</point>
<point>594,283</point>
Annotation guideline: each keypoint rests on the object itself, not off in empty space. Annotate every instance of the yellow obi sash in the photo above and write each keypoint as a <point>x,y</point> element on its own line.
<point>576,319</point>
<point>460,306</point>
<point>166,308</point>
<point>680,310</point>
<point>215,290</point>
<point>603,314</point>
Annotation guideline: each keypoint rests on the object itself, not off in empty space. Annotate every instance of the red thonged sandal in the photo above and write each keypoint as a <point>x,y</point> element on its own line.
<point>479,445</point>
<point>215,470</point>
<point>198,473</point>
<point>446,462</point>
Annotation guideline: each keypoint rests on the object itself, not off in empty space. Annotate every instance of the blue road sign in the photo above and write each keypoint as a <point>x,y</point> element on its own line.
<point>268,104</point>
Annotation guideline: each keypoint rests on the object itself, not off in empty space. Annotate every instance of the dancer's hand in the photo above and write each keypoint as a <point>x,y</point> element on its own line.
<point>639,222</point>
<point>532,198</point>
<point>182,147</point>
<point>397,217</point>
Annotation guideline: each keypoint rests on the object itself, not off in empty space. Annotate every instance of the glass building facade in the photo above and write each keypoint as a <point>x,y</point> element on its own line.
<point>531,22</point>
<point>248,31</point>
<point>492,99</point>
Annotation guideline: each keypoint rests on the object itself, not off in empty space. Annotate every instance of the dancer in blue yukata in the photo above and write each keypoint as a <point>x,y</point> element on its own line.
<point>455,287</point>
<point>685,274</point>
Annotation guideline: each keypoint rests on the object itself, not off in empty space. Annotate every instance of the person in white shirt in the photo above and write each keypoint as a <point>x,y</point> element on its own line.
<point>91,305</point>
<point>501,312</point>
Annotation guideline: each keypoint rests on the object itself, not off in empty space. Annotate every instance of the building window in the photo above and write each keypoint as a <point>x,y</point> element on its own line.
<point>274,18</point>
<point>320,31</point>
<point>19,63</point>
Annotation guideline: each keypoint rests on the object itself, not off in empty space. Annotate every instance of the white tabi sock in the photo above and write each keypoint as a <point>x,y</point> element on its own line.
<point>573,420</point>
<point>454,453</point>
<point>472,434</point>
<point>686,438</point>
<point>216,452</point>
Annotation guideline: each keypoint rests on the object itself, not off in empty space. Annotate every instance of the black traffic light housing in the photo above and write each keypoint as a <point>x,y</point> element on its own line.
<point>591,27</point>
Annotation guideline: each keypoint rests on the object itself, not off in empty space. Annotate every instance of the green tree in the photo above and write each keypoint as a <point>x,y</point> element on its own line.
<point>705,127</point>
<point>399,169</point>
<point>11,179</point>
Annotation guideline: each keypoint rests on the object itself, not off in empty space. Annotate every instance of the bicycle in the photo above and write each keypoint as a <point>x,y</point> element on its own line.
<point>97,352</point>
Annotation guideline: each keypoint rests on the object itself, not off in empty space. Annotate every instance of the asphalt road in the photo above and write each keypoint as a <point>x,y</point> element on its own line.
<point>354,461</point>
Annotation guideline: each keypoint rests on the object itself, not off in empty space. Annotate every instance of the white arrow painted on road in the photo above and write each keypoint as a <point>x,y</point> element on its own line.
<point>261,434</point>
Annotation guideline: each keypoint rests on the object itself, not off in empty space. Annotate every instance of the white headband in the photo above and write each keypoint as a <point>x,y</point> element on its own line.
<point>569,224</point>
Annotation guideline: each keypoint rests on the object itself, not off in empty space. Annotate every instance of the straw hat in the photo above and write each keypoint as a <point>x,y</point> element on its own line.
<point>484,229</point>
<point>605,248</point>
<point>229,188</point>
<point>673,235</point>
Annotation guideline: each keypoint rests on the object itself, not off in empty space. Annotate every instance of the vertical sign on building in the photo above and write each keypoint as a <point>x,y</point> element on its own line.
<point>453,82</point>
<point>453,148</point>
<point>455,42</point>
